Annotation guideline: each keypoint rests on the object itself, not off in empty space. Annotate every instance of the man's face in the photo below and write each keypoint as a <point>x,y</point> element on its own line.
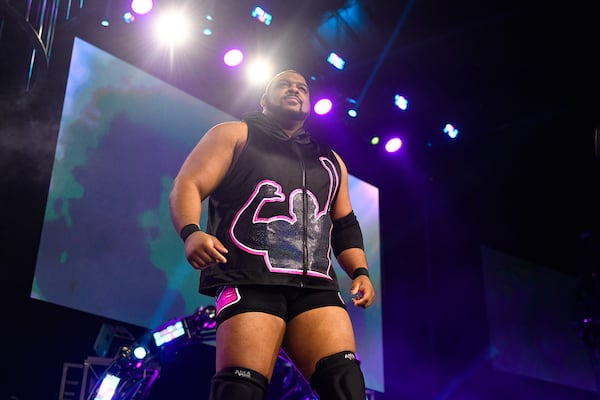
<point>288,96</point>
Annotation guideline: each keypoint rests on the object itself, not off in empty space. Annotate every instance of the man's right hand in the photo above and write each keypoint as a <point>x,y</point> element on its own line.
<point>203,250</point>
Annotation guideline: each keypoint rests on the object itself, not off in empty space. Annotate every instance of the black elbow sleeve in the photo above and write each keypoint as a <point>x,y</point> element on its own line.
<point>346,234</point>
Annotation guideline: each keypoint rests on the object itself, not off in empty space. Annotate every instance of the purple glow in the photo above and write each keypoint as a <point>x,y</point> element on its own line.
<point>233,57</point>
<point>209,325</point>
<point>393,145</point>
<point>141,7</point>
<point>323,106</point>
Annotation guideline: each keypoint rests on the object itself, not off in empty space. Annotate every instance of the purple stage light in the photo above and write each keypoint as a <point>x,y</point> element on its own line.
<point>141,7</point>
<point>393,145</point>
<point>323,106</point>
<point>233,57</point>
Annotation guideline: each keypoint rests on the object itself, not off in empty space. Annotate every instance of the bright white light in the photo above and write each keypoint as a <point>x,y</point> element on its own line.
<point>172,28</point>
<point>207,32</point>
<point>393,145</point>
<point>451,131</point>
<point>259,72</point>
<point>323,106</point>
<point>105,22</point>
<point>168,334</point>
<point>401,102</point>
<point>140,352</point>
<point>107,388</point>
<point>336,61</point>
<point>352,113</point>
<point>233,57</point>
<point>141,7</point>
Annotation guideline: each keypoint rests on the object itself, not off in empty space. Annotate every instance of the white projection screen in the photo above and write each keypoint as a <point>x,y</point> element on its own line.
<point>107,245</point>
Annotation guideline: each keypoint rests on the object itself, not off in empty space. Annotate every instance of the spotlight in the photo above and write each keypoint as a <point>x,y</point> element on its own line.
<point>322,106</point>
<point>128,17</point>
<point>262,15</point>
<point>108,387</point>
<point>140,352</point>
<point>335,60</point>
<point>375,140</point>
<point>451,131</point>
<point>142,7</point>
<point>259,72</point>
<point>168,333</point>
<point>104,22</point>
<point>401,102</point>
<point>353,110</point>
<point>207,31</point>
<point>135,368</point>
<point>172,27</point>
<point>393,145</point>
<point>233,57</point>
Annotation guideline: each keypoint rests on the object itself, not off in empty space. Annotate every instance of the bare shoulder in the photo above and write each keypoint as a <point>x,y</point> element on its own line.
<point>226,137</point>
<point>230,129</point>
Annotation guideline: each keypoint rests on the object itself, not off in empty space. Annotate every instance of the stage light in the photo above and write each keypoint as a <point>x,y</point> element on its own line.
<point>262,15</point>
<point>375,140</point>
<point>207,30</point>
<point>104,22</point>
<point>451,131</point>
<point>323,106</point>
<point>393,145</point>
<point>172,27</point>
<point>336,61</point>
<point>141,7</point>
<point>353,110</point>
<point>233,57</point>
<point>259,72</point>
<point>208,317</point>
<point>128,17</point>
<point>107,387</point>
<point>140,352</point>
<point>401,102</point>
<point>110,339</point>
<point>169,333</point>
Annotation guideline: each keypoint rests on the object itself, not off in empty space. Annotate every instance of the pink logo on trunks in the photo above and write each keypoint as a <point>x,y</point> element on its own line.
<point>227,296</point>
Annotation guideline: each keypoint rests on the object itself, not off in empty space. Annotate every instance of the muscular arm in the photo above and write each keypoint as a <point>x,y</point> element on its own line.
<point>201,172</point>
<point>352,258</point>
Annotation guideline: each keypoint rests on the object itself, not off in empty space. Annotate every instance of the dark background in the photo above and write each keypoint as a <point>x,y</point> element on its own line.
<point>519,78</point>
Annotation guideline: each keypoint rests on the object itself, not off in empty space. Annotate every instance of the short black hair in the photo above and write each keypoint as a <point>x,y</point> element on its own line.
<point>287,71</point>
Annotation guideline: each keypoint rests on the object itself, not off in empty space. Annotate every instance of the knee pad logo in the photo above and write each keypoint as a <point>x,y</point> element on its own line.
<point>243,373</point>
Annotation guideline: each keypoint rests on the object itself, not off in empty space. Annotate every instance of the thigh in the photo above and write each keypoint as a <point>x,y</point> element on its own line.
<point>318,333</point>
<point>251,340</point>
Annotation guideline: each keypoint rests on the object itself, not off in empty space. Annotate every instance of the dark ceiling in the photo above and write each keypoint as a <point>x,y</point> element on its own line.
<point>518,78</point>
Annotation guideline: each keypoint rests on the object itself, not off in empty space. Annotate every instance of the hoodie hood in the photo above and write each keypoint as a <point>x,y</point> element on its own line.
<point>265,123</point>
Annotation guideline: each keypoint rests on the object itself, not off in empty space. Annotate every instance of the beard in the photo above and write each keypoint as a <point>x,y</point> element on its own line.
<point>285,114</point>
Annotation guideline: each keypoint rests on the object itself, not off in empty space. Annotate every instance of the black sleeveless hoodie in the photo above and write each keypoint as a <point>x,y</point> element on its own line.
<point>272,212</point>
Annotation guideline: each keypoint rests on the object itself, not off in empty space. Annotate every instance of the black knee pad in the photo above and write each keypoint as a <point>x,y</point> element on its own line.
<point>238,383</point>
<point>339,377</point>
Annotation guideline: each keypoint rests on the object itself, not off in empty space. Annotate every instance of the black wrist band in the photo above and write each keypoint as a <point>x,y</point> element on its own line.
<point>360,271</point>
<point>188,230</point>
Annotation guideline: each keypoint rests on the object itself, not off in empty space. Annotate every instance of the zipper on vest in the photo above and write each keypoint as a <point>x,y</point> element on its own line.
<point>304,213</point>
